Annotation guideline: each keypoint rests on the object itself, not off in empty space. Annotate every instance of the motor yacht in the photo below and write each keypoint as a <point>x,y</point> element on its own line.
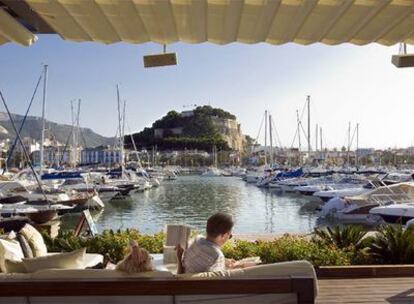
<point>395,213</point>
<point>356,209</point>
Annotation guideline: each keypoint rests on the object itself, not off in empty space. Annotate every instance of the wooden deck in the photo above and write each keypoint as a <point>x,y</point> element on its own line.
<point>369,290</point>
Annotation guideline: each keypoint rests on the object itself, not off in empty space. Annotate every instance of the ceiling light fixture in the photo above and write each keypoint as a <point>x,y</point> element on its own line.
<point>403,60</point>
<point>159,60</point>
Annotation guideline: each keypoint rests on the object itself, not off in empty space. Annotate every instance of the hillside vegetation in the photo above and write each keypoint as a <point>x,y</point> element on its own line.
<point>198,131</point>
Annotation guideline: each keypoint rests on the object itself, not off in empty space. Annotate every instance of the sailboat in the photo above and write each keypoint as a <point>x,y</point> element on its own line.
<point>43,206</point>
<point>213,171</point>
<point>119,177</point>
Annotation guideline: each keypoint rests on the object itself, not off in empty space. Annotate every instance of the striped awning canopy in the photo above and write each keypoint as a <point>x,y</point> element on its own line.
<point>224,21</point>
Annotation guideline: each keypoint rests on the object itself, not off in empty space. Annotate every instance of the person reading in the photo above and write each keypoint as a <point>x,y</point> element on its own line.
<point>205,254</point>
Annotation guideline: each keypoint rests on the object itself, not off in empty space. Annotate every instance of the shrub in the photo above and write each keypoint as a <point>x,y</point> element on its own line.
<point>287,248</point>
<point>111,244</point>
<point>350,239</point>
<point>331,247</point>
<point>341,237</point>
<point>393,245</point>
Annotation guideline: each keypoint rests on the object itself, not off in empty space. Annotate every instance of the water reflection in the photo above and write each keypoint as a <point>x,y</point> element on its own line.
<point>192,200</point>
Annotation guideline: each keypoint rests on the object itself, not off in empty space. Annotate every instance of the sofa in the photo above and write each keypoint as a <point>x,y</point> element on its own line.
<point>288,282</point>
<point>64,278</point>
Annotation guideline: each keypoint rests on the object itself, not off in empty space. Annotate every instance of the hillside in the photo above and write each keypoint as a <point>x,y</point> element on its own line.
<point>202,129</point>
<point>61,132</point>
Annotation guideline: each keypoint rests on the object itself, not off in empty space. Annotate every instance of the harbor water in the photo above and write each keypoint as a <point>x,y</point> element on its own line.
<point>192,199</point>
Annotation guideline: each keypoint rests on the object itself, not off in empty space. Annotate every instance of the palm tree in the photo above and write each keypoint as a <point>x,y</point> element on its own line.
<point>342,237</point>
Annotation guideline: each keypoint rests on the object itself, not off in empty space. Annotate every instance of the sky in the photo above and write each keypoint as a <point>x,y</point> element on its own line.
<point>346,83</point>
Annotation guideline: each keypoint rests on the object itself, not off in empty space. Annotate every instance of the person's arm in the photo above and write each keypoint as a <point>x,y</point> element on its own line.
<point>219,264</point>
<point>230,263</point>
<point>180,251</point>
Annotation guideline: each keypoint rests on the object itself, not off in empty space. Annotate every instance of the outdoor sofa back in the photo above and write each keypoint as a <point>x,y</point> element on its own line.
<point>291,282</point>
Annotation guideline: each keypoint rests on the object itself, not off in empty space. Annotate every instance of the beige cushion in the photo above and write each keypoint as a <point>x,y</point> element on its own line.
<point>14,267</point>
<point>280,269</point>
<point>91,259</point>
<point>35,240</point>
<point>66,260</point>
<point>9,250</point>
<point>96,273</point>
<point>210,275</point>
<point>293,268</point>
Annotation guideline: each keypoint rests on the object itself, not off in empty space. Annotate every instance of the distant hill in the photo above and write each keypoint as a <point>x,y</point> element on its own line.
<point>60,132</point>
<point>201,128</point>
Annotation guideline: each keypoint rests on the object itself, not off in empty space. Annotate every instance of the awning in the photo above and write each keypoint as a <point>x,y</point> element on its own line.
<point>13,31</point>
<point>224,21</point>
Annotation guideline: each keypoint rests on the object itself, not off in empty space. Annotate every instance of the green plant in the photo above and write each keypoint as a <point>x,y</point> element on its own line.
<point>350,239</point>
<point>65,241</point>
<point>153,243</point>
<point>393,245</point>
<point>111,244</point>
<point>341,237</point>
<point>287,248</point>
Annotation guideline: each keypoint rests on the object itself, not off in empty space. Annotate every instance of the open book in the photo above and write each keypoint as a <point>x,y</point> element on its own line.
<point>176,235</point>
<point>247,262</point>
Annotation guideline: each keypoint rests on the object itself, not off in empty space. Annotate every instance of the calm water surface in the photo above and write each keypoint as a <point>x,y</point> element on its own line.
<point>192,199</point>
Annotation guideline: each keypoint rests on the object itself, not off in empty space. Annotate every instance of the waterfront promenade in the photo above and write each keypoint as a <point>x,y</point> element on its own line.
<point>368,290</point>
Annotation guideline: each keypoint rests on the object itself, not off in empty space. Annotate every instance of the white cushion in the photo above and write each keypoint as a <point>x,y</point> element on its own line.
<point>9,250</point>
<point>91,259</point>
<point>227,274</point>
<point>66,260</point>
<point>14,267</point>
<point>293,268</point>
<point>280,269</point>
<point>96,273</point>
<point>35,240</point>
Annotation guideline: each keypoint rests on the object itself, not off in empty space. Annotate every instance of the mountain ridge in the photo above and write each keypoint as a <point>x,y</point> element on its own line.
<point>59,131</point>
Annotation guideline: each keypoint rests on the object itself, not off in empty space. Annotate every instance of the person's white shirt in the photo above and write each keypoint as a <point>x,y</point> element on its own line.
<point>203,256</point>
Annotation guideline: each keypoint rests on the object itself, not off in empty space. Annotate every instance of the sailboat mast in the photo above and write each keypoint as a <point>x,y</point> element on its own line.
<point>271,139</point>
<point>357,146</point>
<point>43,119</point>
<point>72,152</point>
<point>316,138</point>
<point>77,148</point>
<point>153,156</point>
<point>121,140</point>
<point>299,144</point>
<point>349,143</point>
<point>123,130</point>
<point>309,126</point>
<point>321,142</point>
<point>265,149</point>
<point>215,157</point>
